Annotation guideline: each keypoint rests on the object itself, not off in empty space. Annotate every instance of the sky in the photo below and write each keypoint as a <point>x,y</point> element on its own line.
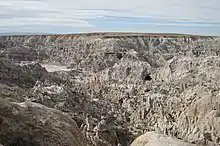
<point>200,17</point>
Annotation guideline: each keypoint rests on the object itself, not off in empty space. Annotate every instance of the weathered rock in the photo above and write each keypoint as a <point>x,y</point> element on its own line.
<point>150,82</point>
<point>27,123</point>
<point>13,75</point>
<point>22,54</point>
<point>25,75</point>
<point>154,139</point>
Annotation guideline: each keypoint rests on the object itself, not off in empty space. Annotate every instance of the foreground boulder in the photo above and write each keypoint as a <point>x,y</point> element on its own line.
<point>154,139</point>
<point>32,124</point>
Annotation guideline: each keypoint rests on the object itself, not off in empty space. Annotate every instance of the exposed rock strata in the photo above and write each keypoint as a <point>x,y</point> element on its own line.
<point>170,84</point>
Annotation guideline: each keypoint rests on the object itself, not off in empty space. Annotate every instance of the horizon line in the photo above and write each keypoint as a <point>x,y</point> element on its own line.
<point>106,34</point>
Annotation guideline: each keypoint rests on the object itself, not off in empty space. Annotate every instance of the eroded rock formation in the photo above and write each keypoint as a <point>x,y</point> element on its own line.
<point>116,87</point>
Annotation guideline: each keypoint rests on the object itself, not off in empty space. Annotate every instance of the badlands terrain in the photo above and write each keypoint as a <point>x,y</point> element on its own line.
<point>109,89</point>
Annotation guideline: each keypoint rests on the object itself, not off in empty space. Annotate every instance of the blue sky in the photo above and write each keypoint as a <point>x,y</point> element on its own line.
<point>75,16</point>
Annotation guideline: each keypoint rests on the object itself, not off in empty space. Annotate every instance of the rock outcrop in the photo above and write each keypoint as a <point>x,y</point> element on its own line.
<point>154,139</point>
<point>28,123</point>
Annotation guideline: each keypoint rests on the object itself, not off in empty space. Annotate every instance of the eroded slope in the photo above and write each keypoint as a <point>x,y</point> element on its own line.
<point>149,83</point>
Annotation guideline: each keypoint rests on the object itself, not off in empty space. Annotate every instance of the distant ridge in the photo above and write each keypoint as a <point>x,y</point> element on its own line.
<point>104,34</point>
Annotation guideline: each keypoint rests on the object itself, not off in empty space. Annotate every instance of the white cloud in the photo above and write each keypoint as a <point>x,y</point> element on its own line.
<point>194,10</point>
<point>176,24</point>
<point>76,13</point>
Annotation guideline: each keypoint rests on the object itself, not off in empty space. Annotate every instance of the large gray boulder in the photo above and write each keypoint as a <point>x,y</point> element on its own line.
<point>25,124</point>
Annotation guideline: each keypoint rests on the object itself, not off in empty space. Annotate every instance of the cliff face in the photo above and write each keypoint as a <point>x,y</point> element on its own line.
<point>168,83</point>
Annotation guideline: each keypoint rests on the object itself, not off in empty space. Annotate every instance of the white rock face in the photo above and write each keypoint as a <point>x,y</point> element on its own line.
<point>154,139</point>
